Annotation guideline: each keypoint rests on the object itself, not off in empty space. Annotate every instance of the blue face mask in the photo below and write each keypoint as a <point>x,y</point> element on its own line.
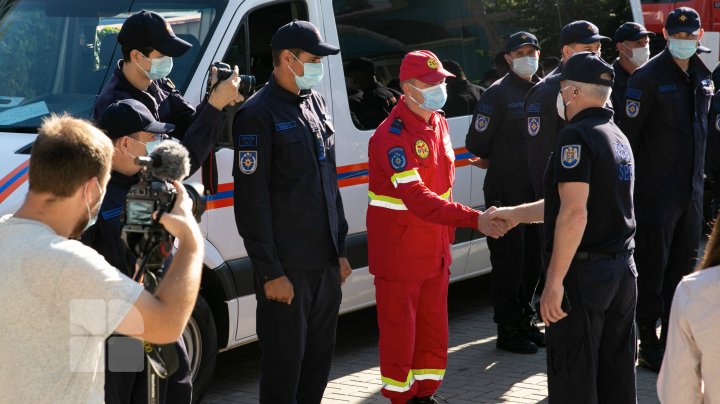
<point>434,96</point>
<point>682,48</point>
<point>525,66</point>
<point>312,76</point>
<point>93,218</point>
<point>159,68</point>
<point>149,146</point>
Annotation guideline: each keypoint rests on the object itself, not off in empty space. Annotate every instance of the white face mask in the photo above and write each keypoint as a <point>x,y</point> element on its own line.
<point>560,105</point>
<point>639,55</point>
<point>525,66</point>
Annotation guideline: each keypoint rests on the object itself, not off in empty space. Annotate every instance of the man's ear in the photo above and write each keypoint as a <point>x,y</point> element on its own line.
<point>700,35</point>
<point>508,59</point>
<point>665,34</point>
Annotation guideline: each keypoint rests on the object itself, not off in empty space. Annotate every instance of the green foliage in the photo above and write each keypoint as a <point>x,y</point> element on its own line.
<point>100,34</point>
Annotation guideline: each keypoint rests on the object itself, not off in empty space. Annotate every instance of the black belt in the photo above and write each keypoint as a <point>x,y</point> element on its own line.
<point>592,256</point>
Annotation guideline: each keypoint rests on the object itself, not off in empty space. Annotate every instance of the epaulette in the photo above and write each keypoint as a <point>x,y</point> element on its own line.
<point>168,83</point>
<point>397,126</point>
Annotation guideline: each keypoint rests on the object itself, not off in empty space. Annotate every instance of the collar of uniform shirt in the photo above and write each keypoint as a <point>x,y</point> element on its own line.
<point>592,111</point>
<point>125,85</point>
<point>286,95</point>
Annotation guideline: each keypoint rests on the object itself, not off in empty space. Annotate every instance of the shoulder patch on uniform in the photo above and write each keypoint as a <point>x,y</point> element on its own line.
<point>570,155</point>
<point>533,125</point>
<point>281,126</point>
<point>397,158</point>
<point>632,108</point>
<point>633,93</point>
<point>534,107</point>
<point>717,122</point>
<point>422,149</point>
<point>247,161</point>
<point>397,126</point>
<point>481,123</point>
<point>667,88</point>
<point>247,140</point>
<point>486,109</point>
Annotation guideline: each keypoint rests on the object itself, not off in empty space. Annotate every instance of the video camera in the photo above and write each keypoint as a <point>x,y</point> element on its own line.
<point>143,235</point>
<point>224,72</point>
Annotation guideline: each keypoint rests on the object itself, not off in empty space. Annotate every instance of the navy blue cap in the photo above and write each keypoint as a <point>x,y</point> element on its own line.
<point>149,29</point>
<point>587,67</point>
<point>682,19</point>
<point>302,35</point>
<point>126,117</point>
<point>630,31</point>
<point>582,31</point>
<point>520,39</point>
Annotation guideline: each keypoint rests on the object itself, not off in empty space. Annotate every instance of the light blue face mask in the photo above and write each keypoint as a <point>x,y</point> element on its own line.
<point>149,146</point>
<point>435,97</point>
<point>159,68</point>
<point>312,76</point>
<point>682,48</point>
<point>92,219</point>
<point>525,66</point>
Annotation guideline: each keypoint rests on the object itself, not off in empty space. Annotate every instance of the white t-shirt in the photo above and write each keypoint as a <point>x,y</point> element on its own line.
<point>59,300</point>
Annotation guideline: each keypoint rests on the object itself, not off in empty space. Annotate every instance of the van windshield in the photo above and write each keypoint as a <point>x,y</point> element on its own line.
<point>56,55</point>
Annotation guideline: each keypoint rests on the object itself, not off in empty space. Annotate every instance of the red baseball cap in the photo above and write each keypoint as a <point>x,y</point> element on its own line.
<point>424,66</point>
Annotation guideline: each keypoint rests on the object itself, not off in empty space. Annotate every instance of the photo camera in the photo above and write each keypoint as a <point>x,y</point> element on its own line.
<point>224,72</point>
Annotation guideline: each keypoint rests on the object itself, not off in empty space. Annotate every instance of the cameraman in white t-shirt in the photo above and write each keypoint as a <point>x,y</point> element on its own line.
<point>60,299</point>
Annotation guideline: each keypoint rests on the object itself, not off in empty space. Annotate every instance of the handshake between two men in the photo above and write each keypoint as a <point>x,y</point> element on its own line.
<point>496,222</point>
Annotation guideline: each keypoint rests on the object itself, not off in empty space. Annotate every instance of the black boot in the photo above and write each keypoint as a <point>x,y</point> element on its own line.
<point>529,328</point>
<point>511,339</point>
<point>650,354</point>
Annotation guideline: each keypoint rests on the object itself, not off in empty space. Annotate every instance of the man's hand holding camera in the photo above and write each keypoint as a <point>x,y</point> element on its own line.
<point>226,92</point>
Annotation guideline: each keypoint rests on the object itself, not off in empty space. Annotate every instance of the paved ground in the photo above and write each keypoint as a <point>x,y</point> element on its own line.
<point>477,372</point>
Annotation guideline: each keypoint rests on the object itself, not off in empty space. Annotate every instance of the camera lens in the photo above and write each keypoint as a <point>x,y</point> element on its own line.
<point>247,85</point>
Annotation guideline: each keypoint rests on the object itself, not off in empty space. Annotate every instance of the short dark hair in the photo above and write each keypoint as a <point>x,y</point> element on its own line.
<point>68,152</point>
<point>126,52</point>
<point>276,55</point>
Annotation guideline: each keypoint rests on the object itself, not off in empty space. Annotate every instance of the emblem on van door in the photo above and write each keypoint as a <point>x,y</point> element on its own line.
<point>570,156</point>
<point>247,161</point>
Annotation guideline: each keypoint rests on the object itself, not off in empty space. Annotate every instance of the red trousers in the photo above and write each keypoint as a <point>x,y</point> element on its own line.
<point>413,321</point>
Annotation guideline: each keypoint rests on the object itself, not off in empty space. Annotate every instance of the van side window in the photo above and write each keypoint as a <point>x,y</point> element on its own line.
<point>467,35</point>
<point>250,48</point>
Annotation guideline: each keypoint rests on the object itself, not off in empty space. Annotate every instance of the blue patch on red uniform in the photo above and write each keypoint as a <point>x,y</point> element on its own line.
<point>398,161</point>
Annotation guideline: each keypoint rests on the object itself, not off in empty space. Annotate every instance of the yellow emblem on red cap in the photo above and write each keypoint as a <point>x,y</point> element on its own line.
<point>422,149</point>
<point>432,63</point>
<point>682,17</point>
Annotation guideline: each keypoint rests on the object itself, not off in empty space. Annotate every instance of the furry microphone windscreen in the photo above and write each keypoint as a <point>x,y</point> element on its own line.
<point>171,161</point>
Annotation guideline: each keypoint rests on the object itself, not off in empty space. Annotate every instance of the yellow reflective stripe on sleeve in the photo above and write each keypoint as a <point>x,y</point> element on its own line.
<point>394,385</point>
<point>405,177</point>
<point>428,374</point>
<point>389,202</point>
<point>386,201</point>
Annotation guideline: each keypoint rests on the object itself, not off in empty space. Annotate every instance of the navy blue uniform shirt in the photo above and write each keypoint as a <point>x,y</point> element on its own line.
<point>592,149</point>
<point>665,119</point>
<point>198,130</point>
<point>617,97</point>
<point>543,124</point>
<point>497,132</point>
<point>288,208</point>
<point>105,235</point>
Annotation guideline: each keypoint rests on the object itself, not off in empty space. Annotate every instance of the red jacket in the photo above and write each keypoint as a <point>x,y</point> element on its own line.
<point>411,219</point>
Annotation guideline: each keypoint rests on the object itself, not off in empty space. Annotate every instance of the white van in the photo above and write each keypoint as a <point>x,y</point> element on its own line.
<point>55,56</point>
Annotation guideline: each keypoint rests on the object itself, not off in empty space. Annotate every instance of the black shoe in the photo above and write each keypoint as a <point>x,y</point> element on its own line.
<point>650,355</point>
<point>427,400</point>
<point>529,328</point>
<point>511,339</point>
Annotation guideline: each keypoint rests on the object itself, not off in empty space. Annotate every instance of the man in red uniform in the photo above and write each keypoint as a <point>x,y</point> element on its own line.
<point>411,224</point>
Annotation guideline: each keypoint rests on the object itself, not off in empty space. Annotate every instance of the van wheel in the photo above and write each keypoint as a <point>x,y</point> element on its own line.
<point>200,337</point>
